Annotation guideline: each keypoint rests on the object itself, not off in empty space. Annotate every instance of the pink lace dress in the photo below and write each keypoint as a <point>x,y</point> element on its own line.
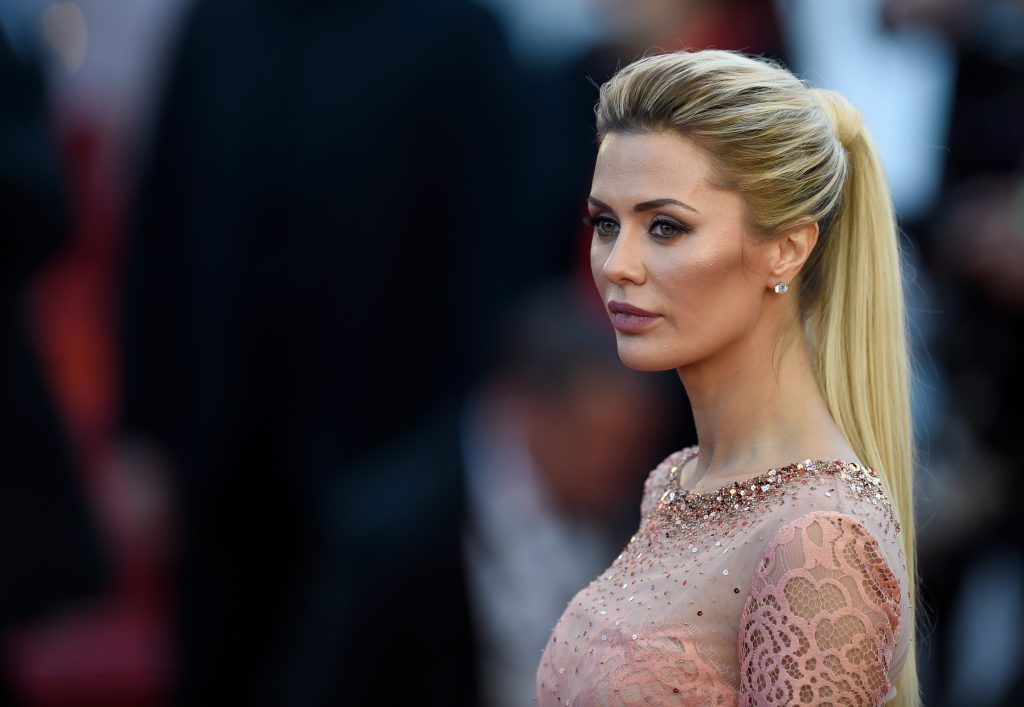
<point>785,588</point>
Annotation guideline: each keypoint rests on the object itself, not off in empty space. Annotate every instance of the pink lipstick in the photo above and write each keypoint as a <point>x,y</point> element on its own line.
<point>629,319</point>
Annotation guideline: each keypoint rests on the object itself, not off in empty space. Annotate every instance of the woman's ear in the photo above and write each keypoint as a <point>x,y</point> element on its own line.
<point>790,250</point>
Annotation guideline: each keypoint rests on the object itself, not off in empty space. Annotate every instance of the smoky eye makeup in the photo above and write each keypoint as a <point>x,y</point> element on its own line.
<point>597,223</point>
<point>661,226</point>
<point>677,228</point>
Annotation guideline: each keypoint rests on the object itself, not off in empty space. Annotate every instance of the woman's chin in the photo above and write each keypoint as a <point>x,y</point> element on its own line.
<point>642,358</point>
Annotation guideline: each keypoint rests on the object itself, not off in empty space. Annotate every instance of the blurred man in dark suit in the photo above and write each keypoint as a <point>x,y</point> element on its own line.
<point>329,219</point>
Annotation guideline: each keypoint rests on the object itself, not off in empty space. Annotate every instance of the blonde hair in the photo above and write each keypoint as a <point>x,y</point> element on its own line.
<point>798,154</point>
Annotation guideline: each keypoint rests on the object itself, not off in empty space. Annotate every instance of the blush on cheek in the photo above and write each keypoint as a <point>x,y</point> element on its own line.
<point>598,256</point>
<point>709,294</point>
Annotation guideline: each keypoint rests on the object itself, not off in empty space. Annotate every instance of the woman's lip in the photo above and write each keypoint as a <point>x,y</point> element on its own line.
<point>631,323</point>
<point>616,307</point>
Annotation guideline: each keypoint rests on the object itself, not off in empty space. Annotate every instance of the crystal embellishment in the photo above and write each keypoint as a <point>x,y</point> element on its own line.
<point>697,512</point>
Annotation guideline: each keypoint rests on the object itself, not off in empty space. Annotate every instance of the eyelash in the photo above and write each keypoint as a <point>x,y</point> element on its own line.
<point>593,222</point>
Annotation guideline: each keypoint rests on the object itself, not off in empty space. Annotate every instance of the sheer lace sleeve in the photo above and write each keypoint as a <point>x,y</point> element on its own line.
<point>820,620</point>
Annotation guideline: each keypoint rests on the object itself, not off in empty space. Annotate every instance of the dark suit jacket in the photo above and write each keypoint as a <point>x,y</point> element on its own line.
<point>385,616</point>
<point>317,245</point>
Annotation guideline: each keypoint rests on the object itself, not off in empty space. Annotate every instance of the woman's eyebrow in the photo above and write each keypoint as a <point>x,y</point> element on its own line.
<point>655,203</point>
<point>644,205</point>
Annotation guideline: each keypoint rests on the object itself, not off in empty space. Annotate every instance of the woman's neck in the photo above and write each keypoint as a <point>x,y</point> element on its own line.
<point>756,405</point>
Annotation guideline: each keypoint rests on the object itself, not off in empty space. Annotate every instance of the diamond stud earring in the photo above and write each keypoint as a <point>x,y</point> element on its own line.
<point>781,288</point>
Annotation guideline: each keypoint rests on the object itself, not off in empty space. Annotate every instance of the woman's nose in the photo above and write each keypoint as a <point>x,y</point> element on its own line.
<point>624,262</point>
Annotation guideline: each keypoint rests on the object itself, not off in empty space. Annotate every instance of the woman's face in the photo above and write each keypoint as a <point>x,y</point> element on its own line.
<point>667,242</point>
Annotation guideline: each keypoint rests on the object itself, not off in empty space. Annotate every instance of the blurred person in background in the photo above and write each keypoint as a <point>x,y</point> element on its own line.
<point>555,443</point>
<point>722,183</point>
<point>328,217</point>
<point>107,648</point>
<point>50,554</point>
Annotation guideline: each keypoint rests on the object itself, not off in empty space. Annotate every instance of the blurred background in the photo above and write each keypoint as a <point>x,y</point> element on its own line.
<point>308,396</point>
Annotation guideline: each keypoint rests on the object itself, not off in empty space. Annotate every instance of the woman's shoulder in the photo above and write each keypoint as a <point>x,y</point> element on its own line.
<point>851,497</point>
<point>844,489</point>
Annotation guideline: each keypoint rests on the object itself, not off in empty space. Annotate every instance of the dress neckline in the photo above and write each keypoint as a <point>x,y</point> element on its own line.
<point>699,512</point>
<point>765,481</point>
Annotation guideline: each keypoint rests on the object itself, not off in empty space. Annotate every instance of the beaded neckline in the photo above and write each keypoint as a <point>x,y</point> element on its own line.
<point>773,473</point>
<point>723,501</point>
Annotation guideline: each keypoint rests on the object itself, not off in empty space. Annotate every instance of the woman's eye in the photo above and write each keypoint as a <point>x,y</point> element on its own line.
<point>668,229</point>
<point>603,226</point>
<point>660,228</point>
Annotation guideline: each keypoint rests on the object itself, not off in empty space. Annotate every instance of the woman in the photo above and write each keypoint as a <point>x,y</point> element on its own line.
<point>744,235</point>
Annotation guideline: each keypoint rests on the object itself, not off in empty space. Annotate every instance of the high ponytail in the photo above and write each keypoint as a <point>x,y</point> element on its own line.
<point>857,331</point>
<point>798,154</point>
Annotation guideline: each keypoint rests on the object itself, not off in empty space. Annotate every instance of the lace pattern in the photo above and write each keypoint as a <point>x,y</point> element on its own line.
<point>820,620</point>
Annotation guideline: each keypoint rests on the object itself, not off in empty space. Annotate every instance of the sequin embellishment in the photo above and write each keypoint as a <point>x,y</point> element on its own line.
<point>696,513</point>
